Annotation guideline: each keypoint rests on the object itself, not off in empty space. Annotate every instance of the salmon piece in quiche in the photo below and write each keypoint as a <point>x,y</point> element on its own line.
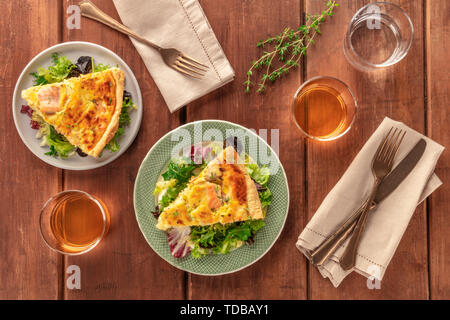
<point>85,109</point>
<point>222,193</point>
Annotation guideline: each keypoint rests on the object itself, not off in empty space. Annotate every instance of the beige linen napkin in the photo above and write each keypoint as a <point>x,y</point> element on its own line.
<point>387,223</point>
<point>180,24</point>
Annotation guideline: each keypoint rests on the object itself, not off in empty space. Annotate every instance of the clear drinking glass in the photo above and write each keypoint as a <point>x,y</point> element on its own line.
<point>324,108</point>
<point>73,222</point>
<point>380,34</point>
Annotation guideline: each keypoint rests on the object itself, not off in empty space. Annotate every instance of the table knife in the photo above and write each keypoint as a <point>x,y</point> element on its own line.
<point>389,184</point>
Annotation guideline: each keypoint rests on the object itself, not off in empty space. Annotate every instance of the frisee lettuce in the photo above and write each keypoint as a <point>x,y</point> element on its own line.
<point>170,195</point>
<point>100,67</point>
<point>56,73</point>
<point>266,198</point>
<point>261,175</point>
<point>221,239</point>
<point>180,171</point>
<point>59,146</point>
<point>124,121</point>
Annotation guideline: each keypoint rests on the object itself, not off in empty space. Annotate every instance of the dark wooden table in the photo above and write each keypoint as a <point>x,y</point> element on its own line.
<point>414,91</point>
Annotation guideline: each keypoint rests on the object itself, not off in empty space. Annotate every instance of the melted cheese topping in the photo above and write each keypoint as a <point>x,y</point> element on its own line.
<point>217,195</point>
<point>78,108</point>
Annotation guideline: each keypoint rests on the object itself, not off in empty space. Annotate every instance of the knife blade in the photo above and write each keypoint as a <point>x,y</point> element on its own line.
<point>400,172</point>
<point>387,186</point>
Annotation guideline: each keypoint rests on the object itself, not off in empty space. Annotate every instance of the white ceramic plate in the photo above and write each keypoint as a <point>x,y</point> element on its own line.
<point>73,50</point>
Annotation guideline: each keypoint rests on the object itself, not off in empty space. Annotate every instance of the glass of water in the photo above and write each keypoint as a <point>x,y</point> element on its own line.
<point>380,34</point>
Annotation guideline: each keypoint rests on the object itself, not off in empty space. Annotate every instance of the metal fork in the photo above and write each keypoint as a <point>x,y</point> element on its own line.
<point>381,165</point>
<point>172,57</point>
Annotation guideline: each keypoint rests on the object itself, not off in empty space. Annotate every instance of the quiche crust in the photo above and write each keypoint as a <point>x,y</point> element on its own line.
<point>114,123</point>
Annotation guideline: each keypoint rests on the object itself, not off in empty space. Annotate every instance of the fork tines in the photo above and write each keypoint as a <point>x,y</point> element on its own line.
<point>190,66</point>
<point>389,147</point>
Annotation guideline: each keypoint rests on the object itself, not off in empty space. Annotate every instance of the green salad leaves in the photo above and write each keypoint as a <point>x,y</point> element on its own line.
<point>124,121</point>
<point>59,146</point>
<point>56,73</point>
<point>181,171</point>
<point>101,67</point>
<point>261,176</point>
<point>220,239</point>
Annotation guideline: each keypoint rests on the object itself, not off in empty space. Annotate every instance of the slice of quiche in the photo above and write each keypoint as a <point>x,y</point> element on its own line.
<point>84,109</point>
<point>222,193</point>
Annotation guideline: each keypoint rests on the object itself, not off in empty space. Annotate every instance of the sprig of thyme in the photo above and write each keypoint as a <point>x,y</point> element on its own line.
<point>288,47</point>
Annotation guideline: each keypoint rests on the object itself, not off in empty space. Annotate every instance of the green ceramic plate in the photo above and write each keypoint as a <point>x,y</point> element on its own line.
<point>144,201</point>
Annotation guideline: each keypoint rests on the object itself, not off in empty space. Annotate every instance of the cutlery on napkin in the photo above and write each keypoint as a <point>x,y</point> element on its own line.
<point>319,255</point>
<point>181,24</point>
<point>387,223</point>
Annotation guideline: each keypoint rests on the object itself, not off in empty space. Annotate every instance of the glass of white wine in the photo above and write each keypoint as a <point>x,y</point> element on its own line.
<point>324,108</point>
<point>73,222</point>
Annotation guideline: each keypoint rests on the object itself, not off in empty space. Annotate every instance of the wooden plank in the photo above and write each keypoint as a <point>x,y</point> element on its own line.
<point>28,269</point>
<point>438,84</point>
<point>123,266</point>
<point>239,25</point>
<point>396,92</point>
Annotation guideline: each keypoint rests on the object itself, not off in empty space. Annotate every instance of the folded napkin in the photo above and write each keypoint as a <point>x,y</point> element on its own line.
<point>179,24</point>
<point>387,222</point>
